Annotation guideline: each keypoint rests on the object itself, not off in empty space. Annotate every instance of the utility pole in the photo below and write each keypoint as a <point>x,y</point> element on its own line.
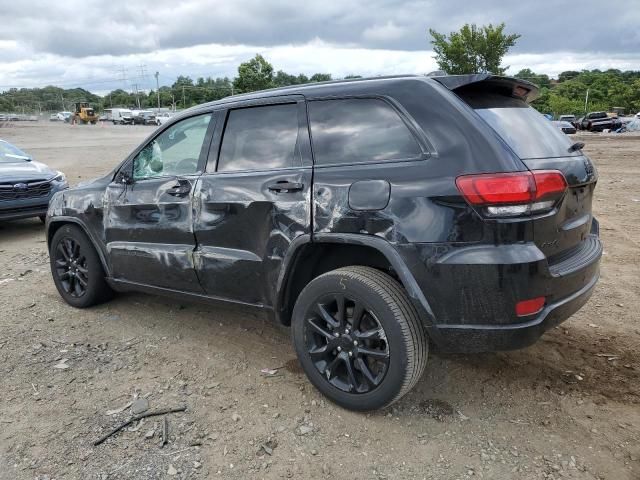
<point>183,100</point>
<point>586,102</point>
<point>158,88</point>
<point>135,87</point>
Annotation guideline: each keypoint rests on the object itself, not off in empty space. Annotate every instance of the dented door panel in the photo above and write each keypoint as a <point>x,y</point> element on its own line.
<point>244,230</point>
<point>149,234</point>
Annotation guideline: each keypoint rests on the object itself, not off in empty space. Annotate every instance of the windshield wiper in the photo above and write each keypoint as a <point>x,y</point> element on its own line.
<point>576,146</point>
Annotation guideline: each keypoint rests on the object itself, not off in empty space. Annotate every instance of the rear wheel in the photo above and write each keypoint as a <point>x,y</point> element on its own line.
<point>359,338</point>
<point>76,268</point>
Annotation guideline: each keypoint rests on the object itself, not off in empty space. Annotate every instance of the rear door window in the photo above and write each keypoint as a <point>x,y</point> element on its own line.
<point>260,138</point>
<point>523,128</point>
<point>356,130</point>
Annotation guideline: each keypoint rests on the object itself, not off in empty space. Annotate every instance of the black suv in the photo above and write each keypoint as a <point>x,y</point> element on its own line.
<point>377,217</point>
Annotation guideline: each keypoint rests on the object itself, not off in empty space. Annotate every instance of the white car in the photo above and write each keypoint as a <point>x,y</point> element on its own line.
<point>64,116</point>
<point>163,117</point>
<point>638,115</point>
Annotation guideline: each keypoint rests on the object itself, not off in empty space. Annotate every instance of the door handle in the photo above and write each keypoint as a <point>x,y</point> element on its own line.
<point>182,188</point>
<point>285,186</point>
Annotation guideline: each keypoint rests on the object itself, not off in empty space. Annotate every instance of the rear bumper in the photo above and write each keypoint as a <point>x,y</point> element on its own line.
<point>485,338</point>
<point>472,290</point>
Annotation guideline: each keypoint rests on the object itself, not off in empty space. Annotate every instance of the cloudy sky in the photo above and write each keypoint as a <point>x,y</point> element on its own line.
<point>103,45</point>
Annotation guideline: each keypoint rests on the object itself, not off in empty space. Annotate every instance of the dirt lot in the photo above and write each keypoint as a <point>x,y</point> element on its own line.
<point>568,407</point>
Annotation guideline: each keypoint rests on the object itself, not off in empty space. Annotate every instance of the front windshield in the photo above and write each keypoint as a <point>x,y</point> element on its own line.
<point>11,154</point>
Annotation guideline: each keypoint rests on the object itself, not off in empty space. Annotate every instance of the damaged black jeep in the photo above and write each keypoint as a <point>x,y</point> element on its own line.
<point>377,217</point>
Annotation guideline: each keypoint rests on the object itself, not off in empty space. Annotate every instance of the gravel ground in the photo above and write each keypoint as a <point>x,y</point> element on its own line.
<point>567,407</point>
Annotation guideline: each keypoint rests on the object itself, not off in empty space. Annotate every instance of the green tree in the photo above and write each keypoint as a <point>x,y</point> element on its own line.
<point>256,74</point>
<point>529,75</point>
<point>473,49</point>
<point>320,77</point>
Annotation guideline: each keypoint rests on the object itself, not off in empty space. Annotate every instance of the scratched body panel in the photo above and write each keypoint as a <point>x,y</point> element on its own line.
<point>149,234</point>
<point>244,231</point>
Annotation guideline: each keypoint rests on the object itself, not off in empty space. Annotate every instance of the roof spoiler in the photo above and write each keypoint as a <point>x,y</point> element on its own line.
<point>518,88</point>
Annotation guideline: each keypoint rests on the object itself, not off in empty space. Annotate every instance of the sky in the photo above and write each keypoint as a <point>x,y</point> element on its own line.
<point>103,45</point>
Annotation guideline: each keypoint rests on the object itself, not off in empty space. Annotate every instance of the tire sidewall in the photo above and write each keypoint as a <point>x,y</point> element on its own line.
<point>394,378</point>
<point>94,266</point>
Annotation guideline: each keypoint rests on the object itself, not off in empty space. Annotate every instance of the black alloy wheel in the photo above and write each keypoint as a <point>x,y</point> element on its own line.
<point>71,267</point>
<point>358,337</point>
<point>76,268</point>
<point>346,343</point>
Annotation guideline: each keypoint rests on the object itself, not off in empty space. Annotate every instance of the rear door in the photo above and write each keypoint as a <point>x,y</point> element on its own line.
<point>149,218</point>
<point>253,201</point>
<point>541,146</point>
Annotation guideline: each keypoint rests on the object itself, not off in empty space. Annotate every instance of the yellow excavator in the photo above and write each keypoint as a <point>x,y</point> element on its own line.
<point>84,114</point>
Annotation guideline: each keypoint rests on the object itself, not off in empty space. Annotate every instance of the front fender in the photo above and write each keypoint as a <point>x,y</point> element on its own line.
<point>53,223</point>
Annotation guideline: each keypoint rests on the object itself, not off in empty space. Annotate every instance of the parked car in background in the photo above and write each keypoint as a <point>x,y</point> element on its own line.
<point>569,118</point>
<point>565,126</point>
<point>144,117</point>
<point>376,217</point>
<point>598,121</point>
<point>119,116</point>
<point>54,117</point>
<point>64,116</point>
<point>26,186</point>
<point>162,118</point>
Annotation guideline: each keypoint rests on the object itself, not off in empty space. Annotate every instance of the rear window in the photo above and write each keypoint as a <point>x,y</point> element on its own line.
<point>260,138</point>
<point>523,128</point>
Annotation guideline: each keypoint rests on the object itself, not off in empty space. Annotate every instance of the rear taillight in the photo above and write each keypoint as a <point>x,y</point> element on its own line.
<point>529,307</point>
<point>513,194</point>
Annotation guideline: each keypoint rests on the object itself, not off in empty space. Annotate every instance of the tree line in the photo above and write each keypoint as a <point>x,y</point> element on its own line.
<point>469,50</point>
<point>254,74</point>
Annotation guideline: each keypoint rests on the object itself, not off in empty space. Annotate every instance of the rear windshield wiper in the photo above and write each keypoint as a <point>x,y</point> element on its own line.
<point>576,146</point>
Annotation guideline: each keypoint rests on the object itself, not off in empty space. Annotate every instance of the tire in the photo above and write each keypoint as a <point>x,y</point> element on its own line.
<point>81,283</point>
<point>389,340</point>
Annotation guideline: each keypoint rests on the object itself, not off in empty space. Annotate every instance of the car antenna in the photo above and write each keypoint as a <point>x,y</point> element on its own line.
<point>576,146</point>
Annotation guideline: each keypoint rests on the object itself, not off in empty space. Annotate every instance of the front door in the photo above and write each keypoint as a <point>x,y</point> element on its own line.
<point>148,208</point>
<point>254,199</point>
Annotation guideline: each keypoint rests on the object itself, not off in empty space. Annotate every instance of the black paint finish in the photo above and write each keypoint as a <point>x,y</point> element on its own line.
<point>255,237</point>
<point>369,195</point>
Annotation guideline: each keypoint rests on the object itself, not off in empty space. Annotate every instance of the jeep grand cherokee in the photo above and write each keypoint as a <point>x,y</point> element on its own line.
<point>377,217</point>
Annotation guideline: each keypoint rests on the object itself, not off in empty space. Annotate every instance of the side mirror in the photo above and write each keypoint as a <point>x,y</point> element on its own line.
<point>124,177</point>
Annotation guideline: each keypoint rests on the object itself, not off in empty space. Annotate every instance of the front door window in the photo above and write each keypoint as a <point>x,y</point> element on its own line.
<point>175,152</point>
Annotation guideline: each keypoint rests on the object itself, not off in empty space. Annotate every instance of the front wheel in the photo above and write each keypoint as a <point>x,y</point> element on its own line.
<point>358,337</point>
<point>76,268</point>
